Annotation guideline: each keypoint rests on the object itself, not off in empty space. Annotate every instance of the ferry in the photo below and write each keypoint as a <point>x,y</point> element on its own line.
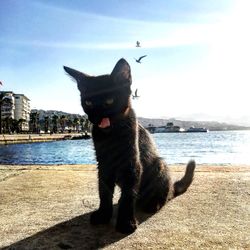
<point>193,129</point>
<point>169,128</point>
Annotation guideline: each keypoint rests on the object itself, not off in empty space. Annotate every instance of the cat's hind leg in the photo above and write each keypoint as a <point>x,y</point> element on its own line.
<point>154,192</point>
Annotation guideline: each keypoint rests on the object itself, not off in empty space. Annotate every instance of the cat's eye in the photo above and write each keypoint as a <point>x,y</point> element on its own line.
<point>109,101</point>
<point>88,103</point>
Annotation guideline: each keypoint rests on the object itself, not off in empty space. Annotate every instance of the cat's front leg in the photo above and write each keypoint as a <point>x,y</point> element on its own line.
<point>105,211</point>
<point>129,184</point>
<point>126,221</point>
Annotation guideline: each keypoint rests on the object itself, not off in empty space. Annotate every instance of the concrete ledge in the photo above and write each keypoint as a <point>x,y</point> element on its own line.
<point>29,138</point>
<point>48,207</point>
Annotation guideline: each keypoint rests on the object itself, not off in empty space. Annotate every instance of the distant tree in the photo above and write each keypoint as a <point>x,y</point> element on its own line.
<point>87,125</point>
<point>34,122</point>
<point>8,123</point>
<point>76,123</point>
<point>15,126</point>
<point>82,122</point>
<point>46,124</point>
<point>69,122</point>
<point>62,122</point>
<point>55,123</point>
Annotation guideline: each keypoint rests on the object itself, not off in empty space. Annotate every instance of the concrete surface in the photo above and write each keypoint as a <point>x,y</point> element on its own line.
<point>48,207</point>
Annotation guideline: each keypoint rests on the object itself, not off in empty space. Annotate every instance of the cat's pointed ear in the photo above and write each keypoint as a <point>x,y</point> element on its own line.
<point>78,76</point>
<point>121,73</point>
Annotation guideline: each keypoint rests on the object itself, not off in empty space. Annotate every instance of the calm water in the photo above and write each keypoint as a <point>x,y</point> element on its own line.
<point>230,147</point>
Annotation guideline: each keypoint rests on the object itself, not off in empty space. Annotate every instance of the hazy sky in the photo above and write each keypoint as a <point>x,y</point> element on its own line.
<point>197,62</point>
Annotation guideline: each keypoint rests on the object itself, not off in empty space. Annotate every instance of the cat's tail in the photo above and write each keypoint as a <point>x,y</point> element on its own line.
<point>182,185</point>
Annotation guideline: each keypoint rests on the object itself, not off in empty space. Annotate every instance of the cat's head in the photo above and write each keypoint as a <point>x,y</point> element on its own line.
<point>104,97</point>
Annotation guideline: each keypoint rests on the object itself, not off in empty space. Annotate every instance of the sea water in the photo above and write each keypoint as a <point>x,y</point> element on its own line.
<point>222,147</point>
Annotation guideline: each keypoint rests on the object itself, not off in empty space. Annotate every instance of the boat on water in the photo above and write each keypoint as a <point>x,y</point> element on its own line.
<point>169,128</point>
<point>194,129</point>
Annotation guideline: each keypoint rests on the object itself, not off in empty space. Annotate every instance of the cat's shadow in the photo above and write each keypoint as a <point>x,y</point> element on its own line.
<point>76,233</point>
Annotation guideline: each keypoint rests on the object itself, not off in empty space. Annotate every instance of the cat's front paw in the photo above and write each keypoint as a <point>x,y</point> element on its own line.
<point>100,217</point>
<point>126,227</point>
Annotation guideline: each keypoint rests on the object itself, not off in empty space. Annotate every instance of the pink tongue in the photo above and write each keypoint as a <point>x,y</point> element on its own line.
<point>105,122</point>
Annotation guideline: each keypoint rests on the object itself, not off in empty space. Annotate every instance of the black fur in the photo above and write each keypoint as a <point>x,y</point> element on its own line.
<point>125,152</point>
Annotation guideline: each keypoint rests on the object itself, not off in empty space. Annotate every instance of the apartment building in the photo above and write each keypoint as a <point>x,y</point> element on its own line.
<point>22,110</point>
<point>16,106</point>
<point>7,104</point>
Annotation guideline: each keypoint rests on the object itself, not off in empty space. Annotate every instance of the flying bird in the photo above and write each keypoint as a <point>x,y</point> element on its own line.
<point>135,95</point>
<point>138,44</point>
<point>139,59</point>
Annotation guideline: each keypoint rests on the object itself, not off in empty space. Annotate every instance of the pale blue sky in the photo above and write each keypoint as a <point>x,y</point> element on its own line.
<point>197,64</point>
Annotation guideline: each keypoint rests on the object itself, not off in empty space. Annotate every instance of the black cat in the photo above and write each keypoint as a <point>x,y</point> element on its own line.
<point>125,152</point>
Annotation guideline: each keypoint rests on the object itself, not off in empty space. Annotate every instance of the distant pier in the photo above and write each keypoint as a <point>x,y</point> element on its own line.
<point>30,138</point>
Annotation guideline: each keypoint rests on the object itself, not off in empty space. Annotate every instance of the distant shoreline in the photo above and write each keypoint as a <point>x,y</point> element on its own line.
<point>177,167</point>
<point>31,138</point>
<point>210,125</point>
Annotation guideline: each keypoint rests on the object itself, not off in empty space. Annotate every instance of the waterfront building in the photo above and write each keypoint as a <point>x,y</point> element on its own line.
<point>7,104</point>
<point>22,110</point>
<point>17,107</point>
